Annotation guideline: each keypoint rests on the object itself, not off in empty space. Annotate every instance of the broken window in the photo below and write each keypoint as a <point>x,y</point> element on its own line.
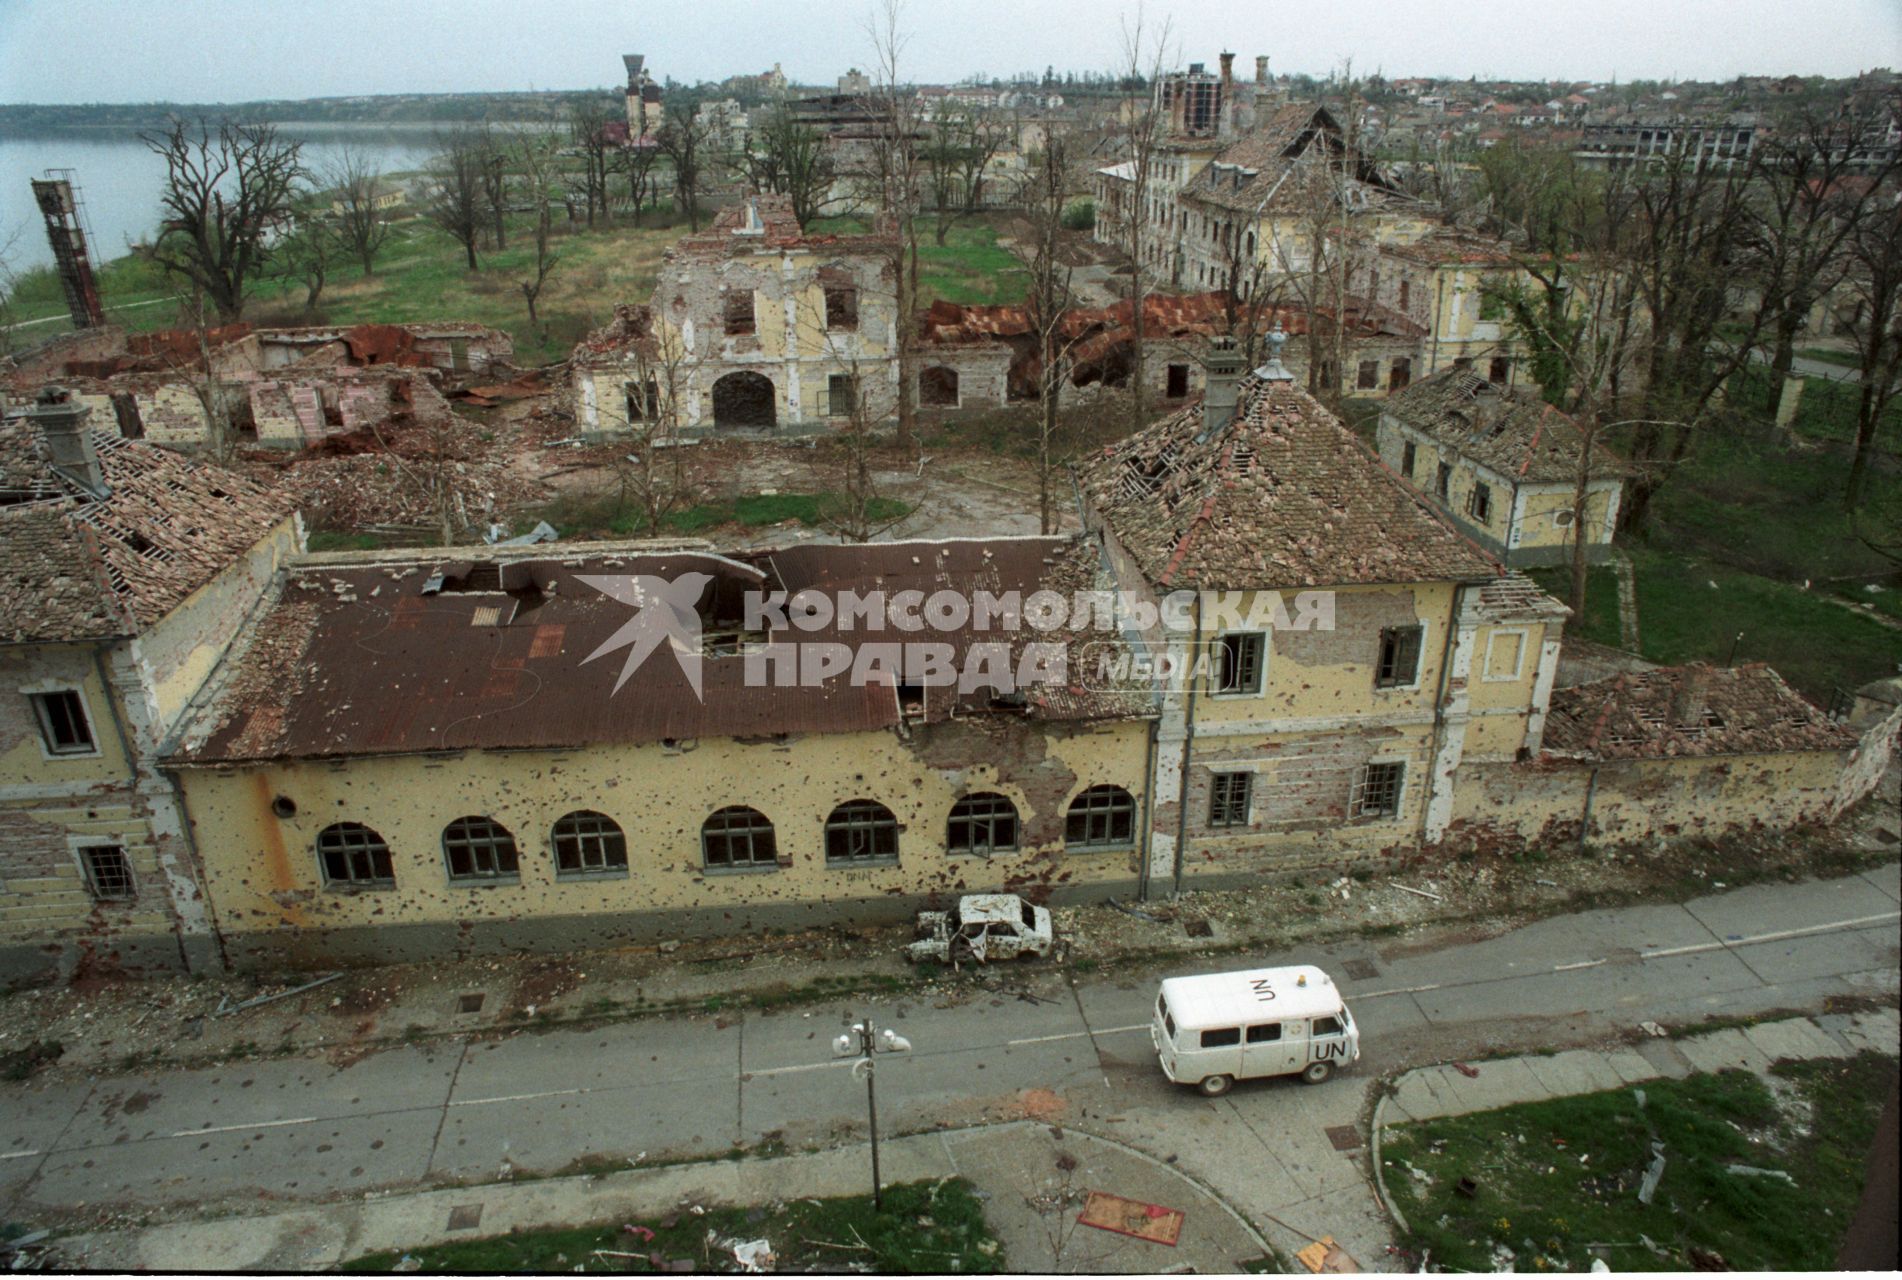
<point>1241,659</point>
<point>738,304</point>
<point>1104,817</point>
<point>1376,791</point>
<point>1500,371</point>
<point>1367,377</point>
<point>738,837</point>
<point>479,849</point>
<point>1443,480</point>
<point>938,388</point>
<point>63,724</point>
<point>1399,663</point>
<point>1479,503</point>
<point>589,843</point>
<point>1407,455</point>
<point>1177,385</point>
<point>1228,799</point>
<point>842,306</point>
<point>354,856</point>
<point>643,401</point>
<point>982,824</point>
<point>1400,373</point>
<point>108,873</point>
<point>841,395</point>
<point>861,832</point>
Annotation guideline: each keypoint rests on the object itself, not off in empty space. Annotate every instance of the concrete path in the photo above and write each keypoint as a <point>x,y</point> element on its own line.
<point>1288,1158</point>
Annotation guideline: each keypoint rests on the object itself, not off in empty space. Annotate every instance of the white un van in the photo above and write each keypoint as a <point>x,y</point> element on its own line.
<point>1217,1028</point>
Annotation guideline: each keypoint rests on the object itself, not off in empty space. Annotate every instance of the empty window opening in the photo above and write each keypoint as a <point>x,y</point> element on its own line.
<point>842,307</point>
<point>1479,504</point>
<point>64,727</point>
<point>1241,659</point>
<point>1407,456</point>
<point>1103,817</point>
<point>643,401</point>
<point>1228,799</point>
<point>982,824</point>
<point>1406,288</point>
<point>1399,373</point>
<point>353,855</point>
<point>737,305</point>
<point>743,400</point>
<point>1367,376</point>
<point>1176,385</point>
<point>108,873</point>
<point>1443,480</point>
<point>1399,663</point>
<point>1377,790</point>
<point>841,395</point>
<point>589,842</point>
<point>861,832</point>
<point>737,836</point>
<point>938,388</point>
<point>1500,370</point>
<point>479,849</point>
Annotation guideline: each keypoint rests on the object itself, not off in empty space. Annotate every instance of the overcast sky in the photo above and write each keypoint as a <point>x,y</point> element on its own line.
<point>242,50</point>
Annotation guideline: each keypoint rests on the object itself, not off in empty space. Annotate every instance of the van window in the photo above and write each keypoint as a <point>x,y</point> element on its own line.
<point>1266,1033</point>
<point>1328,1027</point>
<point>1222,1038</point>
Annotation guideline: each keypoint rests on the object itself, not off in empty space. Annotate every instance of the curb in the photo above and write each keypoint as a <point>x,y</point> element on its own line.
<point>1373,1150</point>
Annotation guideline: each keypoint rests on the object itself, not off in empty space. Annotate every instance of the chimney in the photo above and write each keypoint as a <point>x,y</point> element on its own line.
<point>1228,73</point>
<point>1691,699</point>
<point>1261,71</point>
<point>62,423</point>
<point>1222,376</point>
<point>1273,371</point>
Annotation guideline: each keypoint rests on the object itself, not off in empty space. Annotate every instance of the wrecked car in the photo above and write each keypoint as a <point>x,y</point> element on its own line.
<point>983,927</point>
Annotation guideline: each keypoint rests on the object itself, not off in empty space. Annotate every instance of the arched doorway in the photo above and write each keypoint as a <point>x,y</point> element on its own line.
<point>743,400</point>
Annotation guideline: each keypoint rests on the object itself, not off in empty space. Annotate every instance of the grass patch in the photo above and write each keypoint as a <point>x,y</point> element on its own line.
<point>1555,1177</point>
<point>604,518</point>
<point>925,1227</point>
<point>1829,355</point>
<point>322,540</point>
<point>1600,621</point>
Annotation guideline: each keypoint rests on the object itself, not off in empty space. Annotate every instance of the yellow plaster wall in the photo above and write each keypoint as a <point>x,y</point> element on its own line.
<point>23,760</point>
<point>1536,528</point>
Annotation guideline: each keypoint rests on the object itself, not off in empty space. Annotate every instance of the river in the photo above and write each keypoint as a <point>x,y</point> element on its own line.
<point>119,178</point>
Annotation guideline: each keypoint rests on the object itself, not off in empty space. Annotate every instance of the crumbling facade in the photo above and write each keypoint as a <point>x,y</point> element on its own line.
<point>131,570</point>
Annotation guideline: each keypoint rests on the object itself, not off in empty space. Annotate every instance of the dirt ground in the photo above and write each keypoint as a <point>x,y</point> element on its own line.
<point>121,1024</point>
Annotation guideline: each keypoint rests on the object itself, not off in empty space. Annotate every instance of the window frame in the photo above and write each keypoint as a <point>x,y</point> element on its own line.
<point>739,822</point>
<point>853,826</point>
<point>1409,457</point>
<point>607,870</point>
<point>474,845</point>
<point>40,699</point>
<point>1443,482</point>
<point>83,849</point>
<point>1260,684</point>
<point>1524,635</point>
<point>1386,679</point>
<point>1363,779</point>
<point>851,390</point>
<point>970,849</point>
<point>729,299</point>
<point>1102,803</point>
<point>1480,496</point>
<point>353,883</point>
<point>1367,375</point>
<point>1222,814</point>
<point>847,310</point>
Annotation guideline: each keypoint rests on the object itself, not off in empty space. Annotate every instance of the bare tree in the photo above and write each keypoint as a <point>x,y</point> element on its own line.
<point>1875,277</point>
<point>635,162</point>
<point>226,193</point>
<point>537,163</point>
<point>456,199</point>
<point>1144,126</point>
<point>790,158</point>
<point>683,139</point>
<point>652,474</point>
<point>854,506</point>
<point>307,255</point>
<point>495,185</point>
<point>895,177</point>
<point>357,207</point>
<point>588,132</point>
<point>1050,298</point>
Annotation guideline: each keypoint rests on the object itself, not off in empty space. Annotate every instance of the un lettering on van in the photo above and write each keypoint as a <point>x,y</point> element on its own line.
<point>1264,991</point>
<point>1323,1049</point>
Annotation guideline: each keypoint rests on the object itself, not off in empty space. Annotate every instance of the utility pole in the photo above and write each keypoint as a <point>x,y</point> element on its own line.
<point>864,1041</point>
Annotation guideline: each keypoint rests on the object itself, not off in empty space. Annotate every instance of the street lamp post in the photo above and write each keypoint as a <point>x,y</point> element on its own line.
<point>866,1042</point>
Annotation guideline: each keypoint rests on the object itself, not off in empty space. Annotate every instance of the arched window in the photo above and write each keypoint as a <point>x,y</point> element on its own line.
<point>983,824</point>
<point>1104,817</point>
<point>352,854</point>
<point>589,843</point>
<point>859,832</point>
<point>737,836</point>
<point>938,387</point>
<point>477,848</point>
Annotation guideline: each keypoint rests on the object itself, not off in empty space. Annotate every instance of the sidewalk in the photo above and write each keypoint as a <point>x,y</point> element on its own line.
<point>1428,1093</point>
<point>1032,1203</point>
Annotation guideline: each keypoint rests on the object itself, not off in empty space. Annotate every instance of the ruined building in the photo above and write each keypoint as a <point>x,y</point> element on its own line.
<point>643,99</point>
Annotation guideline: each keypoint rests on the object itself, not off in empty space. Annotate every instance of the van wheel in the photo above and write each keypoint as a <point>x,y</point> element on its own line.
<point>1315,1072</point>
<point>1215,1086</point>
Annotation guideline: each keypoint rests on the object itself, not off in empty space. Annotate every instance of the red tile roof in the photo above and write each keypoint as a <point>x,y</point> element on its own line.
<point>1688,711</point>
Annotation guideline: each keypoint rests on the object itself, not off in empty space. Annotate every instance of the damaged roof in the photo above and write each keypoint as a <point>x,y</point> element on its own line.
<point>400,653</point>
<point>80,567</point>
<point>1512,432</point>
<point>1252,174</point>
<point>1692,710</point>
<point>1517,598</point>
<point>1285,496</point>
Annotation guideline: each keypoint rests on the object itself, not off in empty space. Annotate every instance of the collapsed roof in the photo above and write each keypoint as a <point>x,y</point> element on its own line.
<point>1511,432</point>
<point>1692,710</point>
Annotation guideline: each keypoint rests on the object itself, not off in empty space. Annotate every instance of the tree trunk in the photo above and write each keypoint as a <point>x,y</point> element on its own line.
<point>1867,416</point>
<point>468,248</point>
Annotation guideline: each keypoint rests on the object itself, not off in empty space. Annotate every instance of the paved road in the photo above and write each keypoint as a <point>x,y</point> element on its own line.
<point>290,1128</point>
